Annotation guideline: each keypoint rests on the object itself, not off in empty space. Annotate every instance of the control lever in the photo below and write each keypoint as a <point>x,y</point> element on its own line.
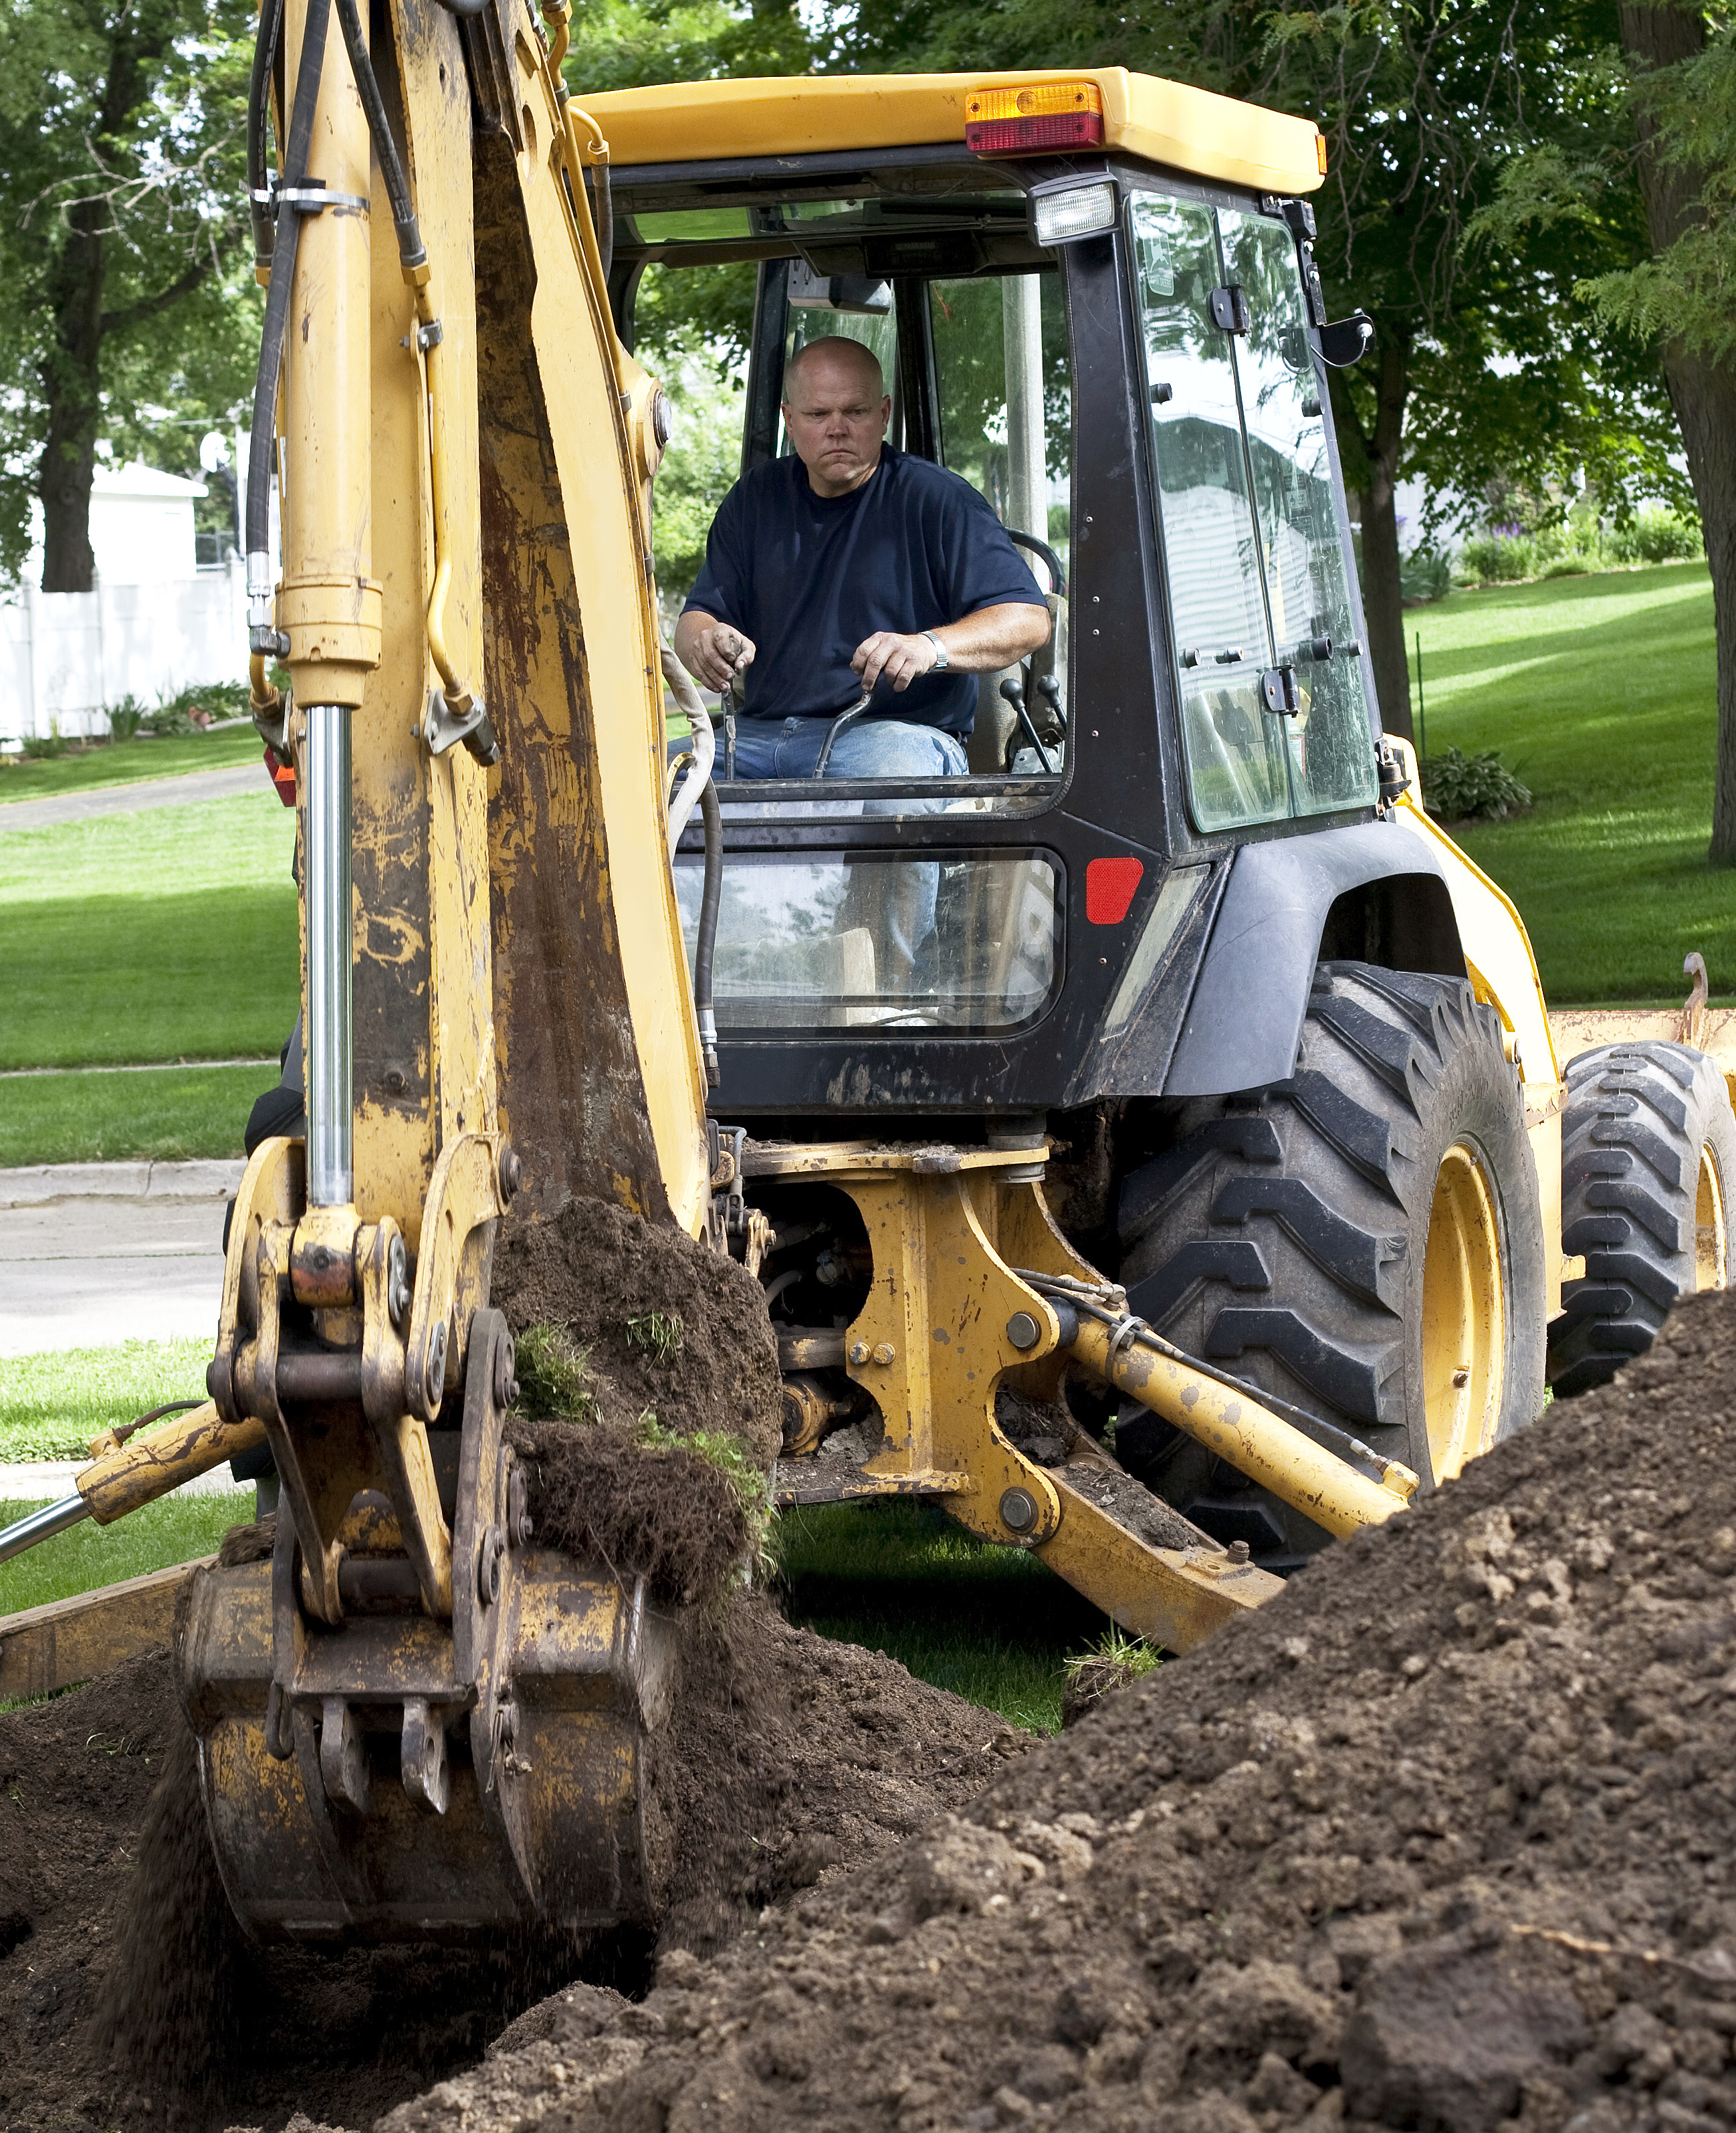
<point>1013,693</point>
<point>1048,687</point>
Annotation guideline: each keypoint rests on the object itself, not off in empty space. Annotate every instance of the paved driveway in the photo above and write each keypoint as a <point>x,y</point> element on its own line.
<point>94,1253</point>
<point>132,799</point>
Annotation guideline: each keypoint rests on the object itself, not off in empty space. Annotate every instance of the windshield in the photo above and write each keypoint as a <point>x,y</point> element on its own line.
<point>967,319</point>
<point>1275,709</point>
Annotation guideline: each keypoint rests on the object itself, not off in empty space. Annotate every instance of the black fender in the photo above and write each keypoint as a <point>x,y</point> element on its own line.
<point>1367,892</point>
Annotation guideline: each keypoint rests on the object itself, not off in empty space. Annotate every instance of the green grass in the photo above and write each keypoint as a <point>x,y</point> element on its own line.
<point>176,1529</point>
<point>165,935</point>
<point>51,1405</point>
<point>167,1114</point>
<point>1601,693</point>
<point>123,762</point>
<point>990,1623</point>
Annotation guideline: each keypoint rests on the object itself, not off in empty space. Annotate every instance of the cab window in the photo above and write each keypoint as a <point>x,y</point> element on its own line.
<point>1275,715</point>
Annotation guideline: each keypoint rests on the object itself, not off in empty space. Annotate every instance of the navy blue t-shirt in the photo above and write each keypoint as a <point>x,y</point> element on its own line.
<point>808,577</point>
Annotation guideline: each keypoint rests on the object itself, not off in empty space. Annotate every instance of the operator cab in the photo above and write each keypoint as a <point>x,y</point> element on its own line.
<point>1125,364</point>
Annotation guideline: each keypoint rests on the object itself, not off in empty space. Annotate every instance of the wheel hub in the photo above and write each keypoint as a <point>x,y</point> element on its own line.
<point>1463,1327</point>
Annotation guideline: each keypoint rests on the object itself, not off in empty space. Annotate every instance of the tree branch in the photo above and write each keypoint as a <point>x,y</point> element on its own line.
<point>151,307</point>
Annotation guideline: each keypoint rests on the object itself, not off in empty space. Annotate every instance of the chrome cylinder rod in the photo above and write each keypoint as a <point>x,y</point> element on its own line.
<point>330,1036</point>
<point>41,1525</point>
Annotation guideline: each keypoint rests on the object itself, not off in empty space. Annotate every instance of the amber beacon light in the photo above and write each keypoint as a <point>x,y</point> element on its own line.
<point>1042,116</point>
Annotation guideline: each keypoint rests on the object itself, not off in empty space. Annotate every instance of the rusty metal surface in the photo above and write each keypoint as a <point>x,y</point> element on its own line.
<point>150,1465</point>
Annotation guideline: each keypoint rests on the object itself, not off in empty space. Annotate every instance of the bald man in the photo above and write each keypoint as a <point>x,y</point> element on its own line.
<point>854,567</point>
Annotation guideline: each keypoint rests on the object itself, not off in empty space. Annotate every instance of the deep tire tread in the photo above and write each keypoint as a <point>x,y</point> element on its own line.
<point>1638,1118</point>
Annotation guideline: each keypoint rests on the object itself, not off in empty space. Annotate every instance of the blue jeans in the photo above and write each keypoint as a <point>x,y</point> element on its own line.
<point>875,747</point>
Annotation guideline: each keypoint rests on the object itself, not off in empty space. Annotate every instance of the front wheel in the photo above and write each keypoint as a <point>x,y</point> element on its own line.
<point>1364,1240</point>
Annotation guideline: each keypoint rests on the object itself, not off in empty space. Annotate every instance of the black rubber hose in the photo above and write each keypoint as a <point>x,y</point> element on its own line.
<point>704,947</point>
<point>412,251</point>
<point>283,275</point>
<point>259,99</point>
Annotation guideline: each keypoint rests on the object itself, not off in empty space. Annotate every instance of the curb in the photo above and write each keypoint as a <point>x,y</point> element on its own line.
<point>42,1183</point>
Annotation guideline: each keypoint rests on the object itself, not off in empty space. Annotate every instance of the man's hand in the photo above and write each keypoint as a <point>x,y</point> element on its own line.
<point>711,650</point>
<point>900,659</point>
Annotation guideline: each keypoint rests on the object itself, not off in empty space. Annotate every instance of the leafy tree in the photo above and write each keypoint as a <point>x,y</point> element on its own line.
<point>1680,299</point>
<point>122,219</point>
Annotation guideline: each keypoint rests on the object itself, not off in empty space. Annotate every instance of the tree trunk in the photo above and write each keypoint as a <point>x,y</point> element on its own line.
<point>1373,469</point>
<point>1702,392</point>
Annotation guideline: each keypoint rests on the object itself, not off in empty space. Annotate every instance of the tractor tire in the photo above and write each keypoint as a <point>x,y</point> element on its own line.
<point>1648,1166</point>
<point>1364,1240</point>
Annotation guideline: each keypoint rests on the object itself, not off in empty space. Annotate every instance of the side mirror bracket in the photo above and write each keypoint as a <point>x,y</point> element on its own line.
<point>1346,341</point>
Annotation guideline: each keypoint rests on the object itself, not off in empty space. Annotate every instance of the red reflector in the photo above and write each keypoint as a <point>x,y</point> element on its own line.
<point>284,778</point>
<point>1109,887</point>
<point>1028,137</point>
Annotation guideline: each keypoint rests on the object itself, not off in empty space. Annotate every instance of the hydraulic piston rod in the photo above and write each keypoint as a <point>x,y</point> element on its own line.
<point>331,1037</point>
<point>1256,1441</point>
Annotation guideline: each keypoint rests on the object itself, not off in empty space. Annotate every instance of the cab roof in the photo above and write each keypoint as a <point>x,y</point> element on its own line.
<point>1160,121</point>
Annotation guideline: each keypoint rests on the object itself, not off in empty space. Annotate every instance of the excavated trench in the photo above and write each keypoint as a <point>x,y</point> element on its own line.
<point>1442,1839</point>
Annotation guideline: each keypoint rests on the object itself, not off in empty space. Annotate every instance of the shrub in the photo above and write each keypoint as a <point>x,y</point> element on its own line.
<point>1498,558</point>
<point>1456,786</point>
<point>1423,575</point>
<point>40,748</point>
<point>168,722</point>
<point>1658,537</point>
<point>125,718</point>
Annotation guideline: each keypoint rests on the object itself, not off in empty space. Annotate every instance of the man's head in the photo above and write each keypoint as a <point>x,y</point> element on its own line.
<point>836,411</point>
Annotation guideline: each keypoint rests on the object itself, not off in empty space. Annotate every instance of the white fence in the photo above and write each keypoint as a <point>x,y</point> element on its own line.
<point>64,656</point>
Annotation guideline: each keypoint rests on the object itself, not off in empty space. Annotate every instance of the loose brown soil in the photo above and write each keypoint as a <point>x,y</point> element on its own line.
<point>1441,1839</point>
<point>594,1268</point>
<point>661,1512</point>
<point>128,2000</point>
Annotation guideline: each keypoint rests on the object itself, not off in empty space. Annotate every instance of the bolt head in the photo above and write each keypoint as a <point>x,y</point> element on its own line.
<point>512,1172</point>
<point>1024,1331</point>
<point>487,1566</point>
<point>885,1353</point>
<point>859,1351</point>
<point>434,1371</point>
<point>1018,1510</point>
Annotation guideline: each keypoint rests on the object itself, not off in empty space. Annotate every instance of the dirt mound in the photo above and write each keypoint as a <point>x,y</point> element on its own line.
<point>600,1271</point>
<point>128,2000</point>
<point>1442,1839</point>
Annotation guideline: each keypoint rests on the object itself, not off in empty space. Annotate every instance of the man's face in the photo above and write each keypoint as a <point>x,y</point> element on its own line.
<point>836,421</point>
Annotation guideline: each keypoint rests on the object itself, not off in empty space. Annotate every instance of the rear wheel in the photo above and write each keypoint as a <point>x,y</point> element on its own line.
<point>1364,1240</point>
<point>1648,1169</point>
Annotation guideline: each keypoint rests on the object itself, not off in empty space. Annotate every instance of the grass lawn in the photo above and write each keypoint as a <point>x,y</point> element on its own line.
<point>176,1529</point>
<point>990,1623</point>
<point>122,763</point>
<point>163,935</point>
<point>51,1405</point>
<point>1601,693</point>
<point>166,1113</point>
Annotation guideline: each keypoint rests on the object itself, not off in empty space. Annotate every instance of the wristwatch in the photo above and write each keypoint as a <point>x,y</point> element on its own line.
<point>941,662</point>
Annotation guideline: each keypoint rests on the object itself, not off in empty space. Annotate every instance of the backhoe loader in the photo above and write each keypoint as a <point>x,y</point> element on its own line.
<point>1197,1194</point>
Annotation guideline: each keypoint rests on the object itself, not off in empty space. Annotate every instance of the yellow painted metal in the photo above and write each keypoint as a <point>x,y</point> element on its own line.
<point>328,601</point>
<point>932,1344</point>
<point>583,791</point>
<point>1254,1440</point>
<point>1497,948</point>
<point>149,1465</point>
<point>1464,1315</point>
<point>1175,1597</point>
<point>1162,122</point>
<point>1711,1234</point>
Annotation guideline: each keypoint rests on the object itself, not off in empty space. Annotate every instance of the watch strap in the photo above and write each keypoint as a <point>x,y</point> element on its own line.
<point>943,663</point>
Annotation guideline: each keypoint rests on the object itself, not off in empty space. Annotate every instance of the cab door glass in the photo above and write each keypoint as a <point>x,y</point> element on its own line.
<point>1235,748</point>
<point>1328,734</point>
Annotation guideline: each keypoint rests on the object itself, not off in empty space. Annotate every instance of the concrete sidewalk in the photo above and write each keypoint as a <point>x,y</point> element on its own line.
<point>94,1253</point>
<point>194,785</point>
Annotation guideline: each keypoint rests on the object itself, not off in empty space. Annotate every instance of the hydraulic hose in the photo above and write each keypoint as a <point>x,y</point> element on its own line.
<point>276,326</point>
<point>704,947</point>
<point>412,253</point>
<point>259,98</point>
